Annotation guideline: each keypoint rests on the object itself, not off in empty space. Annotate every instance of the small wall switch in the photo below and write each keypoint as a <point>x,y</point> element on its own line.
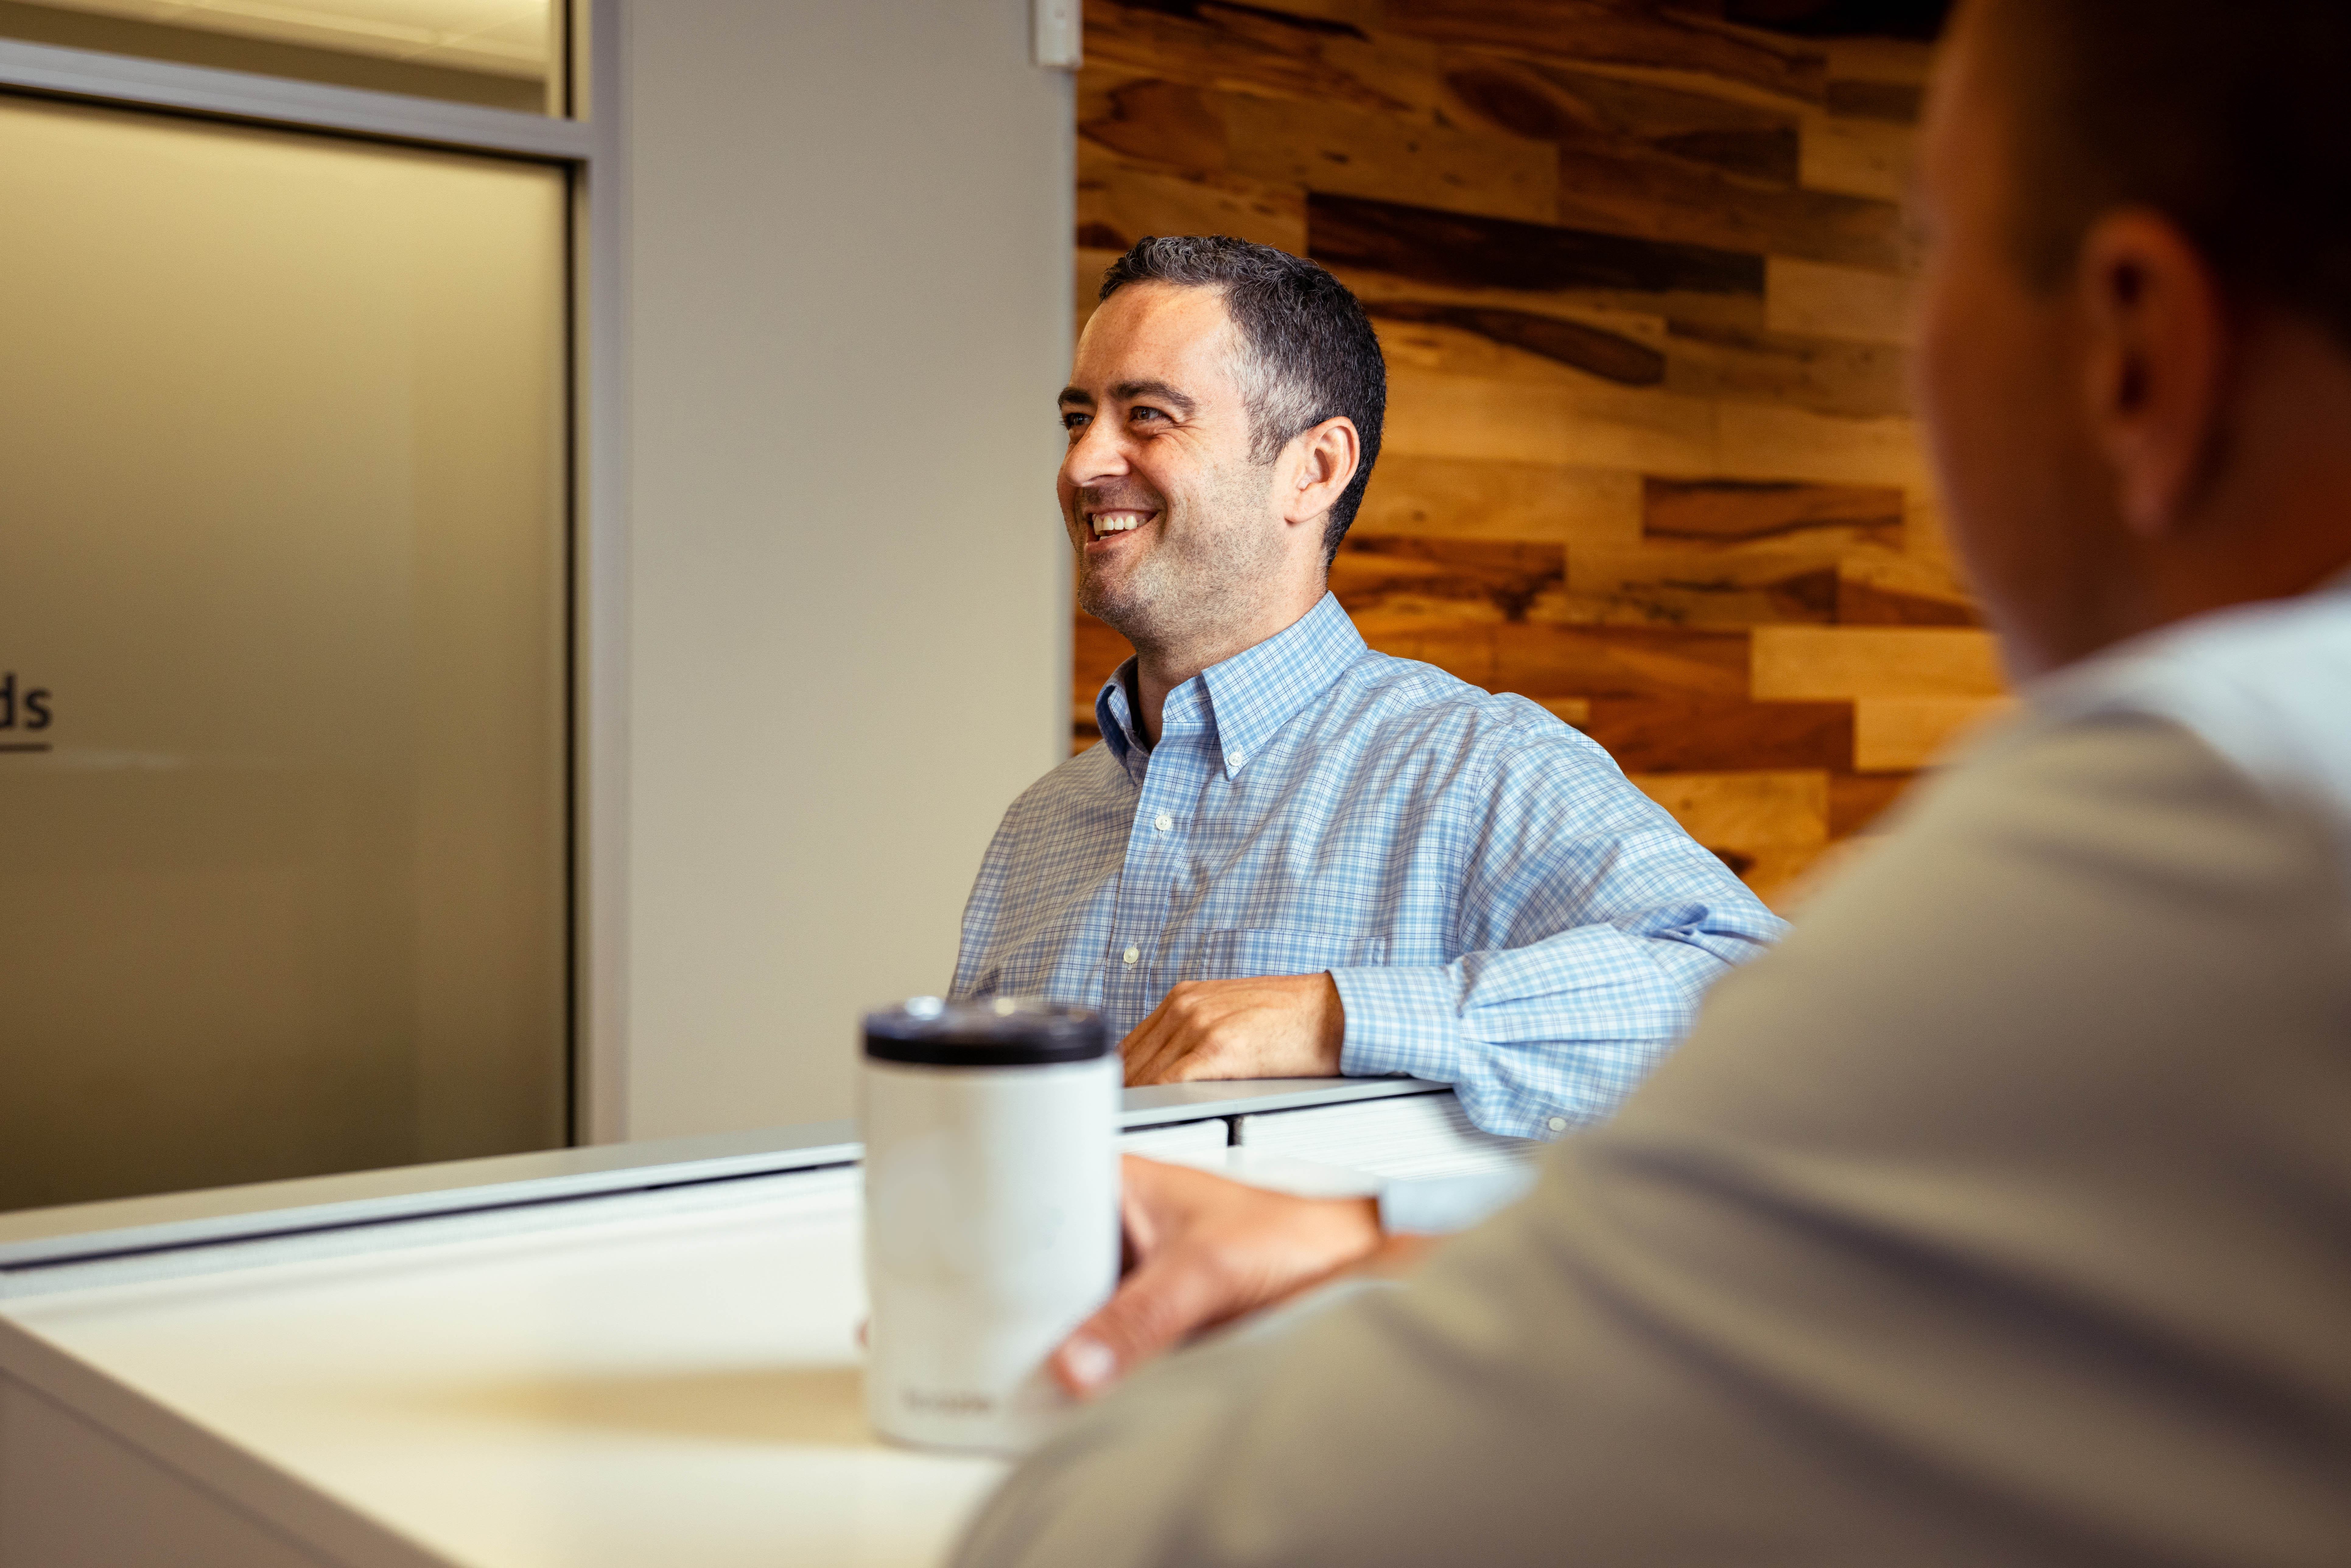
<point>1059,27</point>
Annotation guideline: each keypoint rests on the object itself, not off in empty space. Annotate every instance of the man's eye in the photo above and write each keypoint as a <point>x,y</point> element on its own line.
<point>1141,414</point>
<point>1072,419</point>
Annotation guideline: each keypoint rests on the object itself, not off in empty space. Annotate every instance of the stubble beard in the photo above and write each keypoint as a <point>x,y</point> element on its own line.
<point>1207,572</point>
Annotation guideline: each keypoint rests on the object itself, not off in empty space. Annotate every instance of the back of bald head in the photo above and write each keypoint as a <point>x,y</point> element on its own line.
<point>2232,118</point>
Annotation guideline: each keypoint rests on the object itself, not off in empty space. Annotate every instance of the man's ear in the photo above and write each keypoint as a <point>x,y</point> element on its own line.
<point>1315,469</point>
<point>2156,330</point>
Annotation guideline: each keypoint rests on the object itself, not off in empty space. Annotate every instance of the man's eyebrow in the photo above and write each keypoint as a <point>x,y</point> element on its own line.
<point>1159,391</point>
<point>1078,395</point>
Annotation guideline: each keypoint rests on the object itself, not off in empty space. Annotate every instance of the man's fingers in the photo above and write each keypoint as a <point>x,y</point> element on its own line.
<point>1148,1049</point>
<point>1142,1050</point>
<point>1158,1042</point>
<point>1165,1300</point>
<point>1137,1047</point>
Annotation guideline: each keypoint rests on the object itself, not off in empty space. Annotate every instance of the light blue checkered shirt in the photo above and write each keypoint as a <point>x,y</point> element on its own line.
<point>1501,909</point>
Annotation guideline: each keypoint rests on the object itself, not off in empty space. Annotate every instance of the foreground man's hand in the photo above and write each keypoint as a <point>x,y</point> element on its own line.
<point>1279,1026</point>
<point>1207,1250</point>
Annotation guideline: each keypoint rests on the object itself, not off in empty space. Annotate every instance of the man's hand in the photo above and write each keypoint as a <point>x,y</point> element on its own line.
<point>1282,1026</point>
<point>1205,1250</point>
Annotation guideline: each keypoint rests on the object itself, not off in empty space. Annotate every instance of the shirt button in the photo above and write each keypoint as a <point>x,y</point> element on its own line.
<point>1163,822</point>
<point>1557,1124</point>
<point>1133,954</point>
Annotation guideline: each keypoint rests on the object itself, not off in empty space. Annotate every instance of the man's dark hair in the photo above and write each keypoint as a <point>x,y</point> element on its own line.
<point>1311,354</point>
<point>2230,117</point>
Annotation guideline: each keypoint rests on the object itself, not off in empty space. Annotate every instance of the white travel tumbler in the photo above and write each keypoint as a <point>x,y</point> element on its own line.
<point>991,1212</point>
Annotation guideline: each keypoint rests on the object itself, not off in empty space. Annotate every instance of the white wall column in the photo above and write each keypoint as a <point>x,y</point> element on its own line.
<point>849,313</point>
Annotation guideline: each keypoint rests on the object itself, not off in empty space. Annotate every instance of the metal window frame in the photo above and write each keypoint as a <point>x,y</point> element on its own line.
<point>590,144</point>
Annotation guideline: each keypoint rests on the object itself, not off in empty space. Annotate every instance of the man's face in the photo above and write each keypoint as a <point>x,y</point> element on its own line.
<point>1172,518</point>
<point>2001,378</point>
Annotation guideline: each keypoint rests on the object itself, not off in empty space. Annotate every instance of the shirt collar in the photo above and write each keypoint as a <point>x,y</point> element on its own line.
<point>1241,702</point>
<point>1122,731</point>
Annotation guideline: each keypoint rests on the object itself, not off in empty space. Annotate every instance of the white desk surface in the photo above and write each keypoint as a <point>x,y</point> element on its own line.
<point>672,1388</point>
<point>649,1377</point>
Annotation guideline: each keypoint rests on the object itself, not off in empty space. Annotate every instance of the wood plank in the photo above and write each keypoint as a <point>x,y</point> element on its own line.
<point>1769,827</point>
<point>1745,809</point>
<point>1701,588</point>
<point>1358,16</point>
<point>1325,148</point>
<point>1681,735</point>
<point>1750,512</point>
<point>1863,57</point>
<point>1927,538</point>
<point>1643,316</point>
<point>1169,123</point>
<point>1095,653</point>
<point>1120,200</point>
<point>1570,710</point>
<point>1579,345</point>
<point>1902,735</point>
<point>1543,661</point>
<point>1549,103</point>
<point>1346,152</point>
<point>1897,103</point>
<point>1860,305</point>
<point>1091,266</point>
<point>1675,164</point>
<point>1826,663</point>
<point>1370,69</point>
<point>1467,499</point>
<point>1590,425</point>
<point>1233,47</point>
<point>1859,802</point>
<point>1669,200</point>
<point>1902,590</point>
<point>1857,156</point>
<point>1776,441</point>
<point>1577,32</point>
<point>1821,374</point>
<point>1378,576</point>
<point>1465,251</point>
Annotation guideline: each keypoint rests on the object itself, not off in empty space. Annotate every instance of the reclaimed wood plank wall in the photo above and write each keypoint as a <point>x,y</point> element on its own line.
<point>1642,278</point>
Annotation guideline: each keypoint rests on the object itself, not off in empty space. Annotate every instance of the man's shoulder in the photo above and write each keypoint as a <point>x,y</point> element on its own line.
<point>2265,685</point>
<point>1403,700</point>
<point>1084,780</point>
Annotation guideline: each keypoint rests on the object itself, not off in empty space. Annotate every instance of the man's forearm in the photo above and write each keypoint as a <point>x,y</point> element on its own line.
<point>1535,1039</point>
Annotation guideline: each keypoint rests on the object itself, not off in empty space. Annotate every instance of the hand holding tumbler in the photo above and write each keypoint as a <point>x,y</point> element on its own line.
<point>991,1212</point>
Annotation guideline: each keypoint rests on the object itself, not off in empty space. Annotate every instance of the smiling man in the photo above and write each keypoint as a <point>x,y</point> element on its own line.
<point>1291,856</point>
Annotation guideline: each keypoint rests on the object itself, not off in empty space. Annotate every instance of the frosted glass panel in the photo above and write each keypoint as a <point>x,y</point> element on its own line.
<point>506,54</point>
<point>282,836</point>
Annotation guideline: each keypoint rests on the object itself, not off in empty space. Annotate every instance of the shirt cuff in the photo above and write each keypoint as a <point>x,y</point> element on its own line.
<point>1400,1019</point>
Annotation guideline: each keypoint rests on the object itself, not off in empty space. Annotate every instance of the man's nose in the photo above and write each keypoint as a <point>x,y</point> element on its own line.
<point>1097,453</point>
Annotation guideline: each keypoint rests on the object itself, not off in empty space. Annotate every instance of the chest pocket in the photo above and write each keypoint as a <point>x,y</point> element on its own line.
<point>1279,950</point>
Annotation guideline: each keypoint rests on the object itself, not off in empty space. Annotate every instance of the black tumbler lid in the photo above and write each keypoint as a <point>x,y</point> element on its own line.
<point>1003,1031</point>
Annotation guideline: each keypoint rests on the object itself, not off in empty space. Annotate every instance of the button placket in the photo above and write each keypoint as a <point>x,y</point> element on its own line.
<point>1141,918</point>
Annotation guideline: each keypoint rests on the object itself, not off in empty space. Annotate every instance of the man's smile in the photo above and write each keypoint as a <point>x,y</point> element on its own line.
<point>1107,524</point>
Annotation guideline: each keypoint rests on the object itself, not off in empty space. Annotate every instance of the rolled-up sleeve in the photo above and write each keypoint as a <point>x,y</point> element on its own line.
<point>1589,926</point>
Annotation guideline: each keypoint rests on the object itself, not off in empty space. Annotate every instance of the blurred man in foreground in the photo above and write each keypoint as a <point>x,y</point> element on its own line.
<point>2003,1214</point>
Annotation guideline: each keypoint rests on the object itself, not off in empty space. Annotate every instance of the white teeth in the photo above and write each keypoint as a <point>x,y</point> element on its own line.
<point>1117,522</point>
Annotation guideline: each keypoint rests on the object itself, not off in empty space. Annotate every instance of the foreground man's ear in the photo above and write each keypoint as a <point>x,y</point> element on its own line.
<point>2156,330</point>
